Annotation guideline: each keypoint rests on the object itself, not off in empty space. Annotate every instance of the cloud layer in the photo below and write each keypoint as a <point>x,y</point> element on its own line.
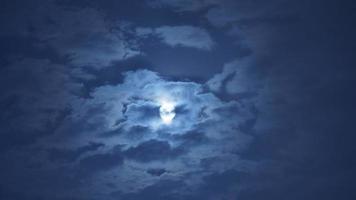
<point>259,95</point>
<point>132,142</point>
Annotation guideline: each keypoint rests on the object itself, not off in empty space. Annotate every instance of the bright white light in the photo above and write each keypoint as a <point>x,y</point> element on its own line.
<point>166,112</point>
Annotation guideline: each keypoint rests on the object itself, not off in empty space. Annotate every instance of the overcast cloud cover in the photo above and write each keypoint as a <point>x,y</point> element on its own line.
<point>262,94</point>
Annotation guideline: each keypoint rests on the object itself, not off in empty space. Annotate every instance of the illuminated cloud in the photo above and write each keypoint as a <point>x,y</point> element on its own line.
<point>204,127</point>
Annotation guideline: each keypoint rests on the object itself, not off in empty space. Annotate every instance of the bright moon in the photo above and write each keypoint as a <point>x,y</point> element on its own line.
<point>166,112</point>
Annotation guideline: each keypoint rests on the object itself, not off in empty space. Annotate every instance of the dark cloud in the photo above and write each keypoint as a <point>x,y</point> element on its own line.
<point>153,150</point>
<point>156,171</point>
<point>138,132</point>
<point>68,155</point>
<point>143,112</point>
<point>221,185</point>
<point>186,36</point>
<point>218,186</point>
<point>162,190</point>
<point>23,124</point>
<point>100,162</point>
<point>191,139</point>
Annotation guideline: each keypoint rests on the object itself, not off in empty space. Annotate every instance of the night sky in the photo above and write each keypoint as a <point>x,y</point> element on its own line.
<point>177,100</point>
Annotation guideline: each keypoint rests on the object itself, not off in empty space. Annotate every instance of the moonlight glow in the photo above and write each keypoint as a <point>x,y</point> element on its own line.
<point>166,112</point>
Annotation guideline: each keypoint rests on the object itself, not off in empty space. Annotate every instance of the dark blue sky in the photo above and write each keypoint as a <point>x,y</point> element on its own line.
<point>177,100</point>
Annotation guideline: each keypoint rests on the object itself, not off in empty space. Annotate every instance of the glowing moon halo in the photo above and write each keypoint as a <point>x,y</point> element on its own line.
<point>166,112</point>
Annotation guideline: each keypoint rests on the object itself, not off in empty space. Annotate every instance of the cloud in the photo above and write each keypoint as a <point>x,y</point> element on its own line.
<point>222,185</point>
<point>235,78</point>
<point>68,155</point>
<point>153,150</point>
<point>133,147</point>
<point>35,99</point>
<point>156,171</point>
<point>143,113</point>
<point>181,36</point>
<point>164,189</point>
<point>100,162</point>
<point>127,115</point>
<point>224,12</point>
<point>193,137</point>
<point>136,101</point>
<point>232,137</point>
<point>181,5</point>
<point>83,37</point>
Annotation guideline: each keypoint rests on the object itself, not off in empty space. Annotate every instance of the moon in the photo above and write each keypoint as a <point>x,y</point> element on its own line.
<point>166,112</point>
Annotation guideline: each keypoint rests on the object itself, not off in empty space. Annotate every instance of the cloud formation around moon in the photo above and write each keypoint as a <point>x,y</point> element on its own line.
<point>144,97</point>
<point>128,123</point>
